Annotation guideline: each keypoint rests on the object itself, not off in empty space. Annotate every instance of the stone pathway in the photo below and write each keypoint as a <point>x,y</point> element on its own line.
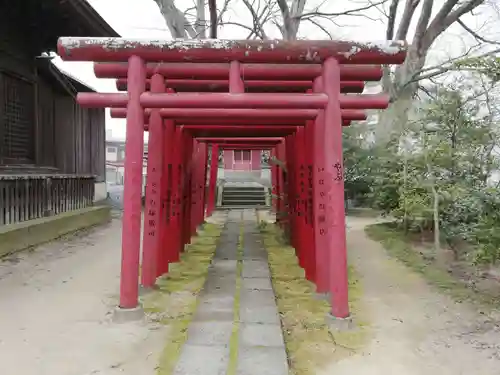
<point>236,328</point>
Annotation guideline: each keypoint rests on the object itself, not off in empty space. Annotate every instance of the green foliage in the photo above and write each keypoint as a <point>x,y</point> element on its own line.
<point>437,174</point>
<point>489,66</point>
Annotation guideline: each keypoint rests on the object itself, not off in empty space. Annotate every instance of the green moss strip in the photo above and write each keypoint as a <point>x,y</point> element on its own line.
<point>309,342</point>
<point>174,303</point>
<point>235,335</point>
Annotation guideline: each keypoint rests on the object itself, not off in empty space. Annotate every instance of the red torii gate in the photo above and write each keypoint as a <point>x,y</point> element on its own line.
<point>248,116</point>
<point>182,160</point>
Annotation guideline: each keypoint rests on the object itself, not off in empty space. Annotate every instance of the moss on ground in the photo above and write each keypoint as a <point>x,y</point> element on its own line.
<point>235,334</point>
<point>174,302</point>
<point>399,247</point>
<point>309,341</point>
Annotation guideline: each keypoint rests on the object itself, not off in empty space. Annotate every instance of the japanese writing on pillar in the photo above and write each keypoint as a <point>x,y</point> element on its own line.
<point>302,189</point>
<point>152,205</point>
<point>321,204</point>
<point>176,204</point>
<point>309,196</point>
<point>168,210</point>
<point>338,173</point>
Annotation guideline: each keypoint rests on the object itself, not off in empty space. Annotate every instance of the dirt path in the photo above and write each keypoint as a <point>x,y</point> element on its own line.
<point>416,330</point>
<point>55,312</point>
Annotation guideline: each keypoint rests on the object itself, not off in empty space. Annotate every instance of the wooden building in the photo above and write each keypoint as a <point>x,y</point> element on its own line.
<point>52,152</point>
<point>243,160</point>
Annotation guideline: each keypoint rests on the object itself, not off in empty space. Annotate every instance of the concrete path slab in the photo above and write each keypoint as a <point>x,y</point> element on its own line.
<point>236,307</point>
<point>255,283</point>
<point>262,360</point>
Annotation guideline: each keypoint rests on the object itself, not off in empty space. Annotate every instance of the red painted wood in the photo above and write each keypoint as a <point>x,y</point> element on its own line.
<point>178,169</point>
<point>280,156</point>
<point>212,184</point>
<point>239,146</point>
<point>300,187</point>
<point>204,114</point>
<point>242,160</point>
<point>280,72</point>
<point>188,191</point>
<point>291,165</point>
<point>338,283</point>
<point>132,190</point>
<point>242,140</point>
<point>228,159</point>
<point>320,188</point>
<point>256,160</point>
<point>309,229</point>
<point>203,182</point>
<point>231,101</point>
<point>250,51</point>
<point>153,228</point>
<point>274,180</point>
<point>190,85</point>
<point>195,194</point>
<point>168,252</point>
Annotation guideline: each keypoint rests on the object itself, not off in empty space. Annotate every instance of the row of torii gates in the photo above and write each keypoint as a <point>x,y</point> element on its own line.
<point>288,97</point>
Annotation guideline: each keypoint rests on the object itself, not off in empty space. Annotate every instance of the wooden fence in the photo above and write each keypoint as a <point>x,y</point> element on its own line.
<point>27,197</point>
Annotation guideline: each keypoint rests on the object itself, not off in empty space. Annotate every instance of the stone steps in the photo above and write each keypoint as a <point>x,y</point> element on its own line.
<point>243,196</point>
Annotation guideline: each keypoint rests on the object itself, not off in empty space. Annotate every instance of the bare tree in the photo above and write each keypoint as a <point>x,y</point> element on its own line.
<point>285,15</point>
<point>402,83</point>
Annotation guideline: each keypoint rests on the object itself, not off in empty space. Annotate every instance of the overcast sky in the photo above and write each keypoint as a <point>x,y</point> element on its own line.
<point>142,19</point>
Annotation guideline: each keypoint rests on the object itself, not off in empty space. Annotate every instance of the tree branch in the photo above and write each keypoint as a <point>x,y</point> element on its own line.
<point>406,18</point>
<point>423,22</point>
<point>297,10</point>
<point>258,28</point>
<point>321,27</point>
<point>201,21</point>
<point>446,17</point>
<point>476,35</point>
<point>212,9</point>
<point>452,64</point>
<point>287,19</point>
<point>393,9</point>
<point>177,23</point>
<point>243,26</point>
<point>350,12</point>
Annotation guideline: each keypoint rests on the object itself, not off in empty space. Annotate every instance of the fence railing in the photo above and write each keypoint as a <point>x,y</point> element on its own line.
<point>27,197</point>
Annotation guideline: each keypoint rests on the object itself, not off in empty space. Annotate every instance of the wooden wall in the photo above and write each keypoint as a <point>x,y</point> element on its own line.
<point>67,138</point>
<point>79,142</point>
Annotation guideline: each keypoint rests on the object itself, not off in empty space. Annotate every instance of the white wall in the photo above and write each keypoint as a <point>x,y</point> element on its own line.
<point>101,191</point>
<point>111,153</point>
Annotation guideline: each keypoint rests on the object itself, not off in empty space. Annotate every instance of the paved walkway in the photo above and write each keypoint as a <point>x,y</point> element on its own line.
<point>236,328</point>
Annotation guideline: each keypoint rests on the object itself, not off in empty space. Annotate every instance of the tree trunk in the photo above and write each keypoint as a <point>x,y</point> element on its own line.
<point>201,22</point>
<point>405,184</point>
<point>393,120</point>
<point>401,88</point>
<point>176,21</point>
<point>435,210</point>
<point>437,229</point>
